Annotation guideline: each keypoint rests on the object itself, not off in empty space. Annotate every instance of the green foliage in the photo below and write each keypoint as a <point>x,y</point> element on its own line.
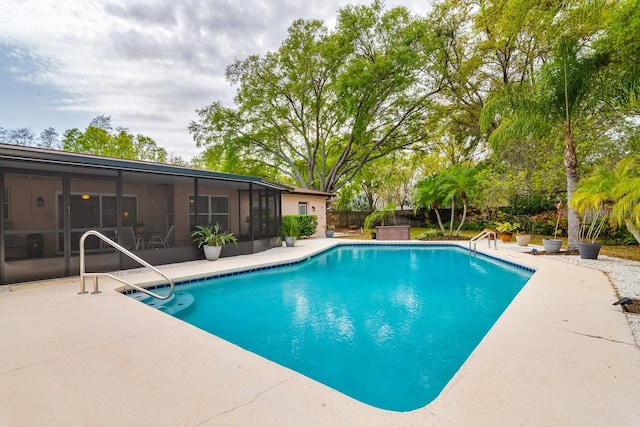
<point>545,224</point>
<point>290,226</point>
<point>529,204</point>
<point>621,41</point>
<point>455,184</point>
<point>554,105</point>
<point>351,199</point>
<point>609,192</point>
<point>326,102</point>
<point>507,227</point>
<point>308,225</point>
<point>429,234</point>
<point>212,236</point>
<point>378,217</point>
<point>99,139</point>
<point>299,225</point>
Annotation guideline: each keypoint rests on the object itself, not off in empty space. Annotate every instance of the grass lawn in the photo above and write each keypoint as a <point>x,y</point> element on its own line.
<point>631,252</point>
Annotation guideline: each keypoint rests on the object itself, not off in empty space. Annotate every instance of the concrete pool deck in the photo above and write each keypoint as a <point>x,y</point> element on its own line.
<point>561,354</point>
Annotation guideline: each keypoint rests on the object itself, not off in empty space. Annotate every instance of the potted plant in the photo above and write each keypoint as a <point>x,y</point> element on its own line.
<point>553,246</point>
<point>329,231</point>
<point>592,223</point>
<point>593,203</point>
<point>506,230</point>
<point>290,230</point>
<point>522,239</point>
<point>212,239</point>
<point>377,217</point>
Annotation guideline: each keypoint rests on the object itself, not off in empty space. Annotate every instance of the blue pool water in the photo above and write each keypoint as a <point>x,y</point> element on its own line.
<point>387,325</point>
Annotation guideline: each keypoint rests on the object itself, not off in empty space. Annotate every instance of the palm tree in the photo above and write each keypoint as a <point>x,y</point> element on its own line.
<point>549,107</point>
<point>457,183</point>
<point>429,194</point>
<point>617,189</point>
<point>592,200</point>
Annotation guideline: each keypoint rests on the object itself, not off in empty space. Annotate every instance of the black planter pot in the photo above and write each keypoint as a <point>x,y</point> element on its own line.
<point>589,250</point>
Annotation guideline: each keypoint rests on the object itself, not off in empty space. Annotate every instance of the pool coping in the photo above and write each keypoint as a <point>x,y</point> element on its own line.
<point>559,354</point>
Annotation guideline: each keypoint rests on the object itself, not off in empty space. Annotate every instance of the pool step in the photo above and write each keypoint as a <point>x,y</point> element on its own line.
<point>175,304</point>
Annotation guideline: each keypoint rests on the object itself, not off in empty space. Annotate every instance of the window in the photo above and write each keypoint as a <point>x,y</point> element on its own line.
<point>90,211</point>
<point>302,208</point>
<point>7,193</point>
<point>211,210</point>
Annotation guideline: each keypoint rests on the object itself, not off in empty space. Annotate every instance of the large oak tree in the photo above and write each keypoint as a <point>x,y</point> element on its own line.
<point>326,103</point>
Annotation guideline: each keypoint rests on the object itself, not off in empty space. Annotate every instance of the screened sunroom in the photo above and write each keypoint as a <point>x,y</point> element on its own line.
<point>51,198</point>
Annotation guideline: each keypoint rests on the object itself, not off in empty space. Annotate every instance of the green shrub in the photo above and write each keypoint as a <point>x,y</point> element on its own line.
<point>307,225</point>
<point>545,224</point>
<point>290,226</point>
<point>530,204</point>
<point>429,234</point>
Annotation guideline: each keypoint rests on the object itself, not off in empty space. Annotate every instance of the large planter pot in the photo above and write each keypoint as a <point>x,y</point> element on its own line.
<point>506,237</point>
<point>523,239</point>
<point>328,233</point>
<point>589,250</point>
<point>552,246</point>
<point>212,253</point>
<point>290,241</point>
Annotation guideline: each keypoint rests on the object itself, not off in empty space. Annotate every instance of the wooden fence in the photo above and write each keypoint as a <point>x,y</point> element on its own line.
<point>355,220</point>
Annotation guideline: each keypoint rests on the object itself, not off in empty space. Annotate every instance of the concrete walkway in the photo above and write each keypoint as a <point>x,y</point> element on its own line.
<point>561,354</point>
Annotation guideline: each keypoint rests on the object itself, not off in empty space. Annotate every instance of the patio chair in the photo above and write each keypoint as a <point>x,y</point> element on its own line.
<point>158,240</point>
<point>129,239</point>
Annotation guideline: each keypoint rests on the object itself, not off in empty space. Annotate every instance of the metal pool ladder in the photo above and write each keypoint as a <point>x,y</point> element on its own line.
<point>486,233</point>
<point>84,274</point>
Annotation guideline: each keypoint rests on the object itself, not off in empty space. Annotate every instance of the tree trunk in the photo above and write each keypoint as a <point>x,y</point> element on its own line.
<point>570,166</point>
<point>464,216</point>
<point>453,211</point>
<point>437,211</point>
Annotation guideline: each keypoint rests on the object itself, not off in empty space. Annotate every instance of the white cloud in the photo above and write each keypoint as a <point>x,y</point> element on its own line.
<point>148,64</point>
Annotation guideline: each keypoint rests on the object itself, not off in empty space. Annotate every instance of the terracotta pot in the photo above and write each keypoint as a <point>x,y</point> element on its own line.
<point>506,237</point>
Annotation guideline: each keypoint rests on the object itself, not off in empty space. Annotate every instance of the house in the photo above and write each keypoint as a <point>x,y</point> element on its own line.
<point>302,201</point>
<point>50,198</point>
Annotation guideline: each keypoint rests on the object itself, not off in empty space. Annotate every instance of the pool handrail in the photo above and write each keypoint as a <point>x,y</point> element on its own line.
<point>489,234</point>
<point>84,274</point>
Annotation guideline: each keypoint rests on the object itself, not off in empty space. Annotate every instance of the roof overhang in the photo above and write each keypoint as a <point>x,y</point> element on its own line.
<point>40,159</point>
<point>309,192</point>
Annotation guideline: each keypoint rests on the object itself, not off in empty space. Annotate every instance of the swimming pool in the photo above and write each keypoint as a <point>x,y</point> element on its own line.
<point>387,325</point>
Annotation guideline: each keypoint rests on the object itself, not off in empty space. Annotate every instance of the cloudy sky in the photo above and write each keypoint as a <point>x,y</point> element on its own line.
<point>149,64</point>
